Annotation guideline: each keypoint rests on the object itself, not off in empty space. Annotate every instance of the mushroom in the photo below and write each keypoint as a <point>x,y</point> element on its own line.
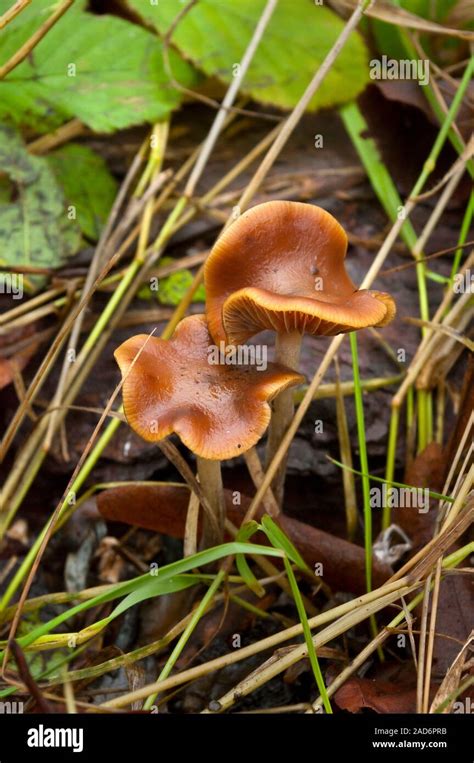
<point>280,266</point>
<point>218,410</point>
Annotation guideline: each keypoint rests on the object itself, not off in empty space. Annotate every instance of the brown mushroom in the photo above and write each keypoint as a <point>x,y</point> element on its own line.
<point>218,411</point>
<point>280,266</point>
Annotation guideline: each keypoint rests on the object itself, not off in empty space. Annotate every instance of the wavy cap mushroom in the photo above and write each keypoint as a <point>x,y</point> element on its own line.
<point>280,266</point>
<point>218,411</point>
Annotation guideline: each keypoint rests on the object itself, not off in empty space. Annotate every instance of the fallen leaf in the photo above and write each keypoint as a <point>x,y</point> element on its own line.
<point>410,93</point>
<point>453,677</point>
<point>12,360</point>
<point>162,508</point>
<point>380,696</point>
<point>453,621</point>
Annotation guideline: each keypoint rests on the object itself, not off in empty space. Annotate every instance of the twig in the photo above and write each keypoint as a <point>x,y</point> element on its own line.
<point>426,258</point>
<point>63,501</point>
<point>229,96</point>
<point>192,93</point>
<point>43,705</point>
<point>63,134</point>
<point>89,282</point>
<point>13,12</point>
<point>33,41</point>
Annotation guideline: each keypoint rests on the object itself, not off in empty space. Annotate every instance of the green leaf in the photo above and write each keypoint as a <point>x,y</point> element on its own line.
<point>213,554</point>
<point>34,225</point>
<point>172,288</point>
<point>87,185</point>
<point>437,277</point>
<point>215,33</point>
<point>103,70</point>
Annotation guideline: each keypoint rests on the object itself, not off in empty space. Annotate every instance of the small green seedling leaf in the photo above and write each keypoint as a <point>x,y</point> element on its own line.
<point>169,290</point>
<point>154,587</point>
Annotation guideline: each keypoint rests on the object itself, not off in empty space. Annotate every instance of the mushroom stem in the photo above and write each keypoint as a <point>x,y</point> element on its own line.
<point>210,479</point>
<point>287,352</point>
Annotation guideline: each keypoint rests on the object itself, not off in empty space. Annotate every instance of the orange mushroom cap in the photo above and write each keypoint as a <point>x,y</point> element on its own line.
<point>281,266</point>
<point>218,411</point>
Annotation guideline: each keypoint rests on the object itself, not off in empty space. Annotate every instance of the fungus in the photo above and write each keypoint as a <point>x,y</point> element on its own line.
<point>280,266</point>
<point>217,410</point>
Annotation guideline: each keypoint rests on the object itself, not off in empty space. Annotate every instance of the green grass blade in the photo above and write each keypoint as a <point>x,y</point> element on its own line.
<point>165,573</point>
<point>465,227</point>
<point>392,483</point>
<point>359,407</point>
<point>277,537</point>
<point>246,532</point>
<point>313,658</point>
<point>183,639</point>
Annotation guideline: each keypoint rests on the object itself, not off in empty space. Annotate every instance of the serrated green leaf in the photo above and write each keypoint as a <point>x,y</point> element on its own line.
<point>215,33</point>
<point>34,226</point>
<point>87,185</point>
<point>105,71</point>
